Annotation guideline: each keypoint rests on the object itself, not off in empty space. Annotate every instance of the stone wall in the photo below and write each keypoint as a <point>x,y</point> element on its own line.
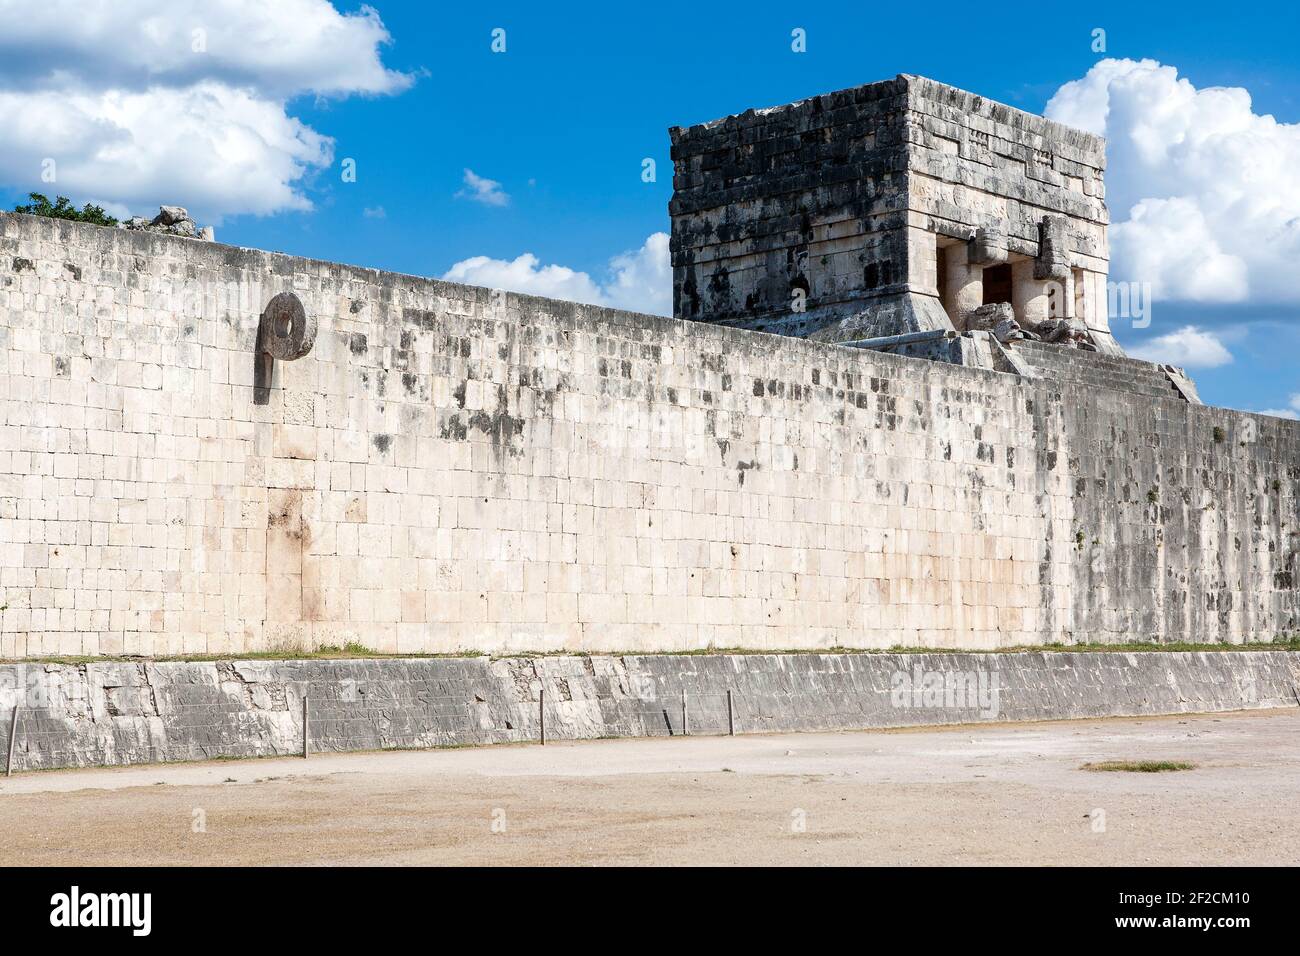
<point>122,713</point>
<point>454,469</point>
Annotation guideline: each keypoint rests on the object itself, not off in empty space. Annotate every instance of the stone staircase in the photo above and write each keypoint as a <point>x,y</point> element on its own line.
<point>1094,370</point>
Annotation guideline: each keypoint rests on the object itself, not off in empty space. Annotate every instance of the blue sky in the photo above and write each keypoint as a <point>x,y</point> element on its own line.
<point>564,118</point>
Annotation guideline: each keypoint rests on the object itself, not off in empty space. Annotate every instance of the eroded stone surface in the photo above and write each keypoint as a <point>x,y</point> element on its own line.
<point>106,713</point>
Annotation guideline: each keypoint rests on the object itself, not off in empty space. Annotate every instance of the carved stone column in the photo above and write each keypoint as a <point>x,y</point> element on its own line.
<point>1028,294</point>
<point>963,283</point>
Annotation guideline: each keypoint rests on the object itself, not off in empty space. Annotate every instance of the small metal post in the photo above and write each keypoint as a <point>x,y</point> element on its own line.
<point>541,713</point>
<point>731,716</point>
<point>306,747</point>
<point>686,723</point>
<point>13,737</point>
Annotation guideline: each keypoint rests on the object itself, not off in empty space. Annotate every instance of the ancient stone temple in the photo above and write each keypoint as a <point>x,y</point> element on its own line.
<point>209,449</point>
<point>898,207</point>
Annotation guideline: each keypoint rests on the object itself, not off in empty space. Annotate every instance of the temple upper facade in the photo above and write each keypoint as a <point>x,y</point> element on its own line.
<point>897,207</point>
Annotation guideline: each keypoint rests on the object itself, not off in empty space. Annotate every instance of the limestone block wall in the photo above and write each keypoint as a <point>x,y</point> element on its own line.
<point>454,469</point>
<point>106,713</point>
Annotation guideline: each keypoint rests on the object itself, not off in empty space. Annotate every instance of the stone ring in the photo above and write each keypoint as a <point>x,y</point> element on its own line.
<point>286,331</point>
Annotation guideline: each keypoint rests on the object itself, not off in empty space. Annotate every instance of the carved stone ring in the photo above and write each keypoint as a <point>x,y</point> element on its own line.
<point>286,331</point>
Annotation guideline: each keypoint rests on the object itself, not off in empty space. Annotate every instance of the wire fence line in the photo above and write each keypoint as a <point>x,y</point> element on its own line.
<point>349,720</point>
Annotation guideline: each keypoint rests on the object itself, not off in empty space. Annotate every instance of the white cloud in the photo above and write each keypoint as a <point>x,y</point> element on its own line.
<point>527,274</point>
<point>1205,192</point>
<point>643,280</point>
<point>1292,411</point>
<point>639,281</point>
<point>136,109</point>
<point>375,212</point>
<point>279,49</point>
<point>484,190</point>
<point>1169,243</point>
<point>210,148</point>
<point>1189,347</point>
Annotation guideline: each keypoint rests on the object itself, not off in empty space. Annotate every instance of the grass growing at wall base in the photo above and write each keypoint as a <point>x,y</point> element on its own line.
<point>354,650</point>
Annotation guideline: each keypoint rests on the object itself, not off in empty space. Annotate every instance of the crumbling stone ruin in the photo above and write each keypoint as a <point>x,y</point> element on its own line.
<point>171,221</point>
<point>895,208</point>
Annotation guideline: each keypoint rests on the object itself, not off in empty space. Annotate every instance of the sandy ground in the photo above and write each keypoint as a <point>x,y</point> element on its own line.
<point>1007,794</point>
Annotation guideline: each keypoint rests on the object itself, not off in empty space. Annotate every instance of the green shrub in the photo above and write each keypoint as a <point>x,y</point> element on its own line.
<point>61,208</point>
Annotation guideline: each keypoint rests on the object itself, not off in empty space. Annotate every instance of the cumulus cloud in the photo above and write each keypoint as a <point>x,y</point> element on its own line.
<point>1189,347</point>
<point>280,49</point>
<point>643,280</point>
<point>1292,411</point>
<point>1169,243</point>
<point>138,102</point>
<point>212,148</point>
<point>484,190</point>
<point>639,281</point>
<point>526,274</point>
<point>1205,192</point>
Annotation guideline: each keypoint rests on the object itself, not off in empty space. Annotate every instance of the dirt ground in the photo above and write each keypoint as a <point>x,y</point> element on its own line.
<point>1006,794</point>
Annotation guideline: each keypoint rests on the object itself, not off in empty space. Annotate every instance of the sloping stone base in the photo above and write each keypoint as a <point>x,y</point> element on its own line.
<point>125,713</point>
